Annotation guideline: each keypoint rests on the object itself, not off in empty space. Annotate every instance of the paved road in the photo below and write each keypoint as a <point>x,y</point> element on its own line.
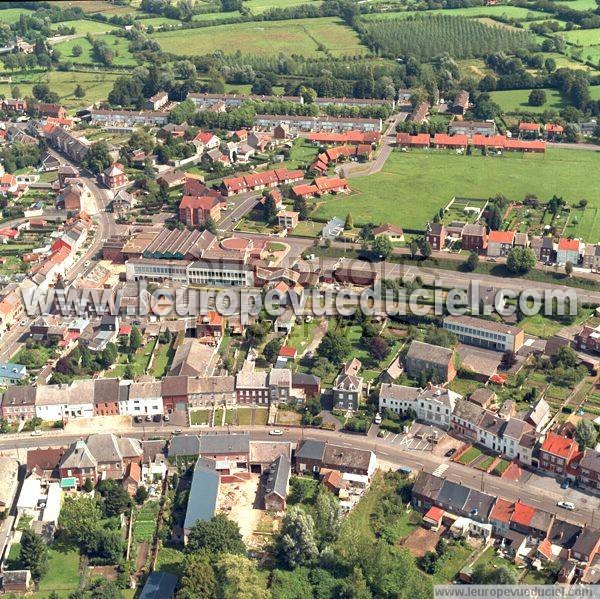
<point>243,203</point>
<point>539,491</point>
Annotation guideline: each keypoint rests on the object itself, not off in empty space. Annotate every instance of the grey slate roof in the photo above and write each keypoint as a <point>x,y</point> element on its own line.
<point>564,533</point>
<point>427,485</point>
<point>481,502</point>
<point>184,445</point>
<point>468,411</point>
<point>311,450</point>
<point>586,541</point>
<point>159,585</point>
<point>278,477</point>
<point>399,392</point>
<point>591,460</point>
<point>78,456</point>
<point>434,354</point>
<point>453,496</point>
<point>202,500</point>
<point>222,444</point>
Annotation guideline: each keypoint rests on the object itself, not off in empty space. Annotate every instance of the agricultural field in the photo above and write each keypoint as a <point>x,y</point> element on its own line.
<point>413,186</point>
<point>92,6</point>
<point>97,85</point>
<point>511,12</point>
<point>84,26</point>
<point>582,37</point>
<point>216,16</point>
<point>517,100</point>
<point>431,35</point>
<point>578,4</point>
<point>258,6</point>
<point>119,45</point>
<point>270,37</point>
<point>158,21</point>
<point>12,15</point>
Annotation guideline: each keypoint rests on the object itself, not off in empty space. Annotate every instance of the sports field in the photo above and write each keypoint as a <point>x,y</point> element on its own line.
<point>414,185</point>
<point>268,37</point>
<point>513,100</point>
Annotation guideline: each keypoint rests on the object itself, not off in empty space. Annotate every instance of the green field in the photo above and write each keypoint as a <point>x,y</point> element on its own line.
<point>158,21</point>
<point>578,4</point>
<point>270,37</point>
<point>96,85</point>
<point>63,570</point>
<point>595,92</point>
<point>119,45</point>
<point>258,6</point>
<point>513,12</point>
<point>413,186</point>
<point>582,37</point>
<point>83,26</point>
<point>12,15</point>
<point>516,100</point>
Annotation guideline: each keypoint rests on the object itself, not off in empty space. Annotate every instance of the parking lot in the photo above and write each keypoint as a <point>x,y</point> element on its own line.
<point>422,437</point>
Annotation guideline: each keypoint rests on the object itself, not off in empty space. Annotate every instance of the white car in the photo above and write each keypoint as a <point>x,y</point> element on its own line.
<point>36,433</point>
<point>86,263</point>
<point>276,432</point>
<point>567,505</point>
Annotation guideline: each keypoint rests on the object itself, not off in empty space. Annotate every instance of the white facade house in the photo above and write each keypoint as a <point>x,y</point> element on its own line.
<point>143,399</point>
<point>53,503</point>
<point>59,402</point>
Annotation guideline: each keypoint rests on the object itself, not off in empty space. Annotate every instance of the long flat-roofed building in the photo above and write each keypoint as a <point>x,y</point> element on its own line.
<point>485,333</point>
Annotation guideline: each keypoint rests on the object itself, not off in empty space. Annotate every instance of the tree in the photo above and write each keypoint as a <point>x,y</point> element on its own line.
<point>566,357</point>
<point>210,225</point>
<point>135,338</point>
<point>569,268</point>
<point>378,348</point>
<point>296,544</point>
<point>327,515</point>
<point>494,217</point>
<point>198,579</point>
<point>129,374</point>
<point>141,494</point>
<point>484,574</point>
<point>79,91</point>
<point>101,588</point>
<point>116,498</point>
<point>348,224</point>
<point>110,545</point>
<point>413,248</point>
<point>271,350</point>
<point>382,246</point>
<point>537,97</point>
<point>470,264</point>
<point>34,554</point>
<point>269,209</point>
<point>335,347</point>
<point>520,260</point>
<point>586,434</point>
<point>77,50</point>
<point>79,520</point>
<point>97,158</point>
<point>509,359</point>
<point>218,535</point>
<point>425,248</point>
<point>240,579</point>
<point>88,486</point>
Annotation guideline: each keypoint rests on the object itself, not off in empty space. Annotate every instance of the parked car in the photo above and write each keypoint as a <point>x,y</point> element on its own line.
<point>177,431</point>
<point>450,452</point>
<point>148,418</point>
<point>157,418</point>
<point>565,484</point>
<point>276,432</point>
<point>36,433</point>
<point>137,419</point>
<point>378,418</point>
<point>567,505</point>
<point>166,418</point>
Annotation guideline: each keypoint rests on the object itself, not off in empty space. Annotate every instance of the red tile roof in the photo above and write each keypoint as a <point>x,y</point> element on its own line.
<point>502,510</point>
<point>554,128</point>
<point>435,513</point>
<point>523,514</point>
<point>454,141</point>
<point>420,139</point>
<point>559,445</point>
<point>287,352</point>
<point>520,144</point>
<point>529,126</point>
<point>199,202</point>
<point>570,245</point>
<point>501,237</point>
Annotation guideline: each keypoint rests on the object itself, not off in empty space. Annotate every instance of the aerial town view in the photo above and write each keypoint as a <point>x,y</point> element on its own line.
<point>299,299</point>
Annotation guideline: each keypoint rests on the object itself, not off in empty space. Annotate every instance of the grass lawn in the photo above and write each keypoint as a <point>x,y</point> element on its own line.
<point>500,467</point>
<point>200,416</point>
<point>452,563</point>
<point>158,21</point>
<point>464,386</point>
<point>540,326</point>
<point>230,417</point>
<point>92,6</point>
<point>218,416</point>
<point>162,360</point>
<point>63,569</point>
<point>139,364</point>
<point>308,228</point>
<point>413,186</point>
<point>216,16</point>
<point>244,416</point>
<point>301,335</point>
<point>12,15</point>
<point>490,558</point>
<point>96,85</point>
<point>517,100</point>
<point>170,560</point>
<point>119,45</point>
<point>268,37</point>
<point>485,464</point>
<point>260,417</point>
<point>578,4</point>
<point>470,455</point>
